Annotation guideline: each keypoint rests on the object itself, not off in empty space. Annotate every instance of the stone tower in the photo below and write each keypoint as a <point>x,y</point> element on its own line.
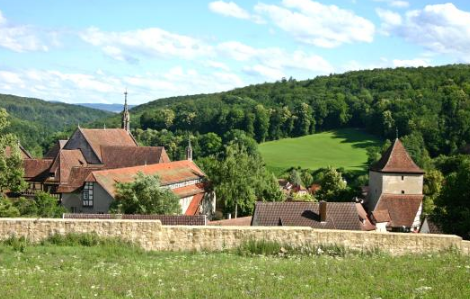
<point>126,118</point>
<point>189,151</point>
<point>395,173</point>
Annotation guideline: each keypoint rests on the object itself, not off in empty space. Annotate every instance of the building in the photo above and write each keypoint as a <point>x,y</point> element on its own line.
<point>91,161</point>
<point>323,215</point>
<point>395,192</point>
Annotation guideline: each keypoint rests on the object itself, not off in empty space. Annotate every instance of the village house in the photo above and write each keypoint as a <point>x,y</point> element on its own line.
<point>82,170</point>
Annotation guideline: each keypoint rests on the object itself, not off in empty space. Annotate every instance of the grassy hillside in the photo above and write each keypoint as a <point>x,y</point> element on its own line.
<point>338,148</point>
<point>34,120</point>
<point>51,271</point>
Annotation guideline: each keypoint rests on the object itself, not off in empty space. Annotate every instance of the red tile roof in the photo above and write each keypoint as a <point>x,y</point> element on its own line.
<point>65,161</point>
<point>194,205</point>
<point>189,190</point>
<point>128,156</point>
<point>402,208</point>
<point>24,153</point>
<point>340,215</point>
<point>381,216</point>
<point>169,173</point>
<point>107,137</point>
<point>240,221</point>
<point>36,169</point>
<point>76,179</point>
<point>54,151</point>
<point>396,160</point>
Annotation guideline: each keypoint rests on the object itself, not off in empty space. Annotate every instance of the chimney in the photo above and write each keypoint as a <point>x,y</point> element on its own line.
<point>322,209</point>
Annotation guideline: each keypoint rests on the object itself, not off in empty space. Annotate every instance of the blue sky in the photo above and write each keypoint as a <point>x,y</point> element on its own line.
<point>90,51</point>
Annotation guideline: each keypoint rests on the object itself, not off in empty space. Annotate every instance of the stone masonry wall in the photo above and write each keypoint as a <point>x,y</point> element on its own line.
<point>151,235</point>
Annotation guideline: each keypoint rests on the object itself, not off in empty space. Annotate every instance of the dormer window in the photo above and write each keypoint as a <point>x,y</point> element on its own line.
<point>87,195</point>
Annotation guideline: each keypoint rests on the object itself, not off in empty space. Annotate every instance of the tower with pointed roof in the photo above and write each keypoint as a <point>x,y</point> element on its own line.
<point>396,184</point>
<point>189,151</point>
<point>126,118</point>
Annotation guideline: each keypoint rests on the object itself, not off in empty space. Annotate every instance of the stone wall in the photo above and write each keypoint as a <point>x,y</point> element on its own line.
<point>151,235</point>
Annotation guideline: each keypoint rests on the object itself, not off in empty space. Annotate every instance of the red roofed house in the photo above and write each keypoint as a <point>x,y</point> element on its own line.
<point>93,160</point>
<point>395,191</point>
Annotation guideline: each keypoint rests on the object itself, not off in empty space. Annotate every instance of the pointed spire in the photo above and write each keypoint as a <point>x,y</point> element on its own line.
<point>189,150</point>
<point>126,118</point>
<point>396,160</point>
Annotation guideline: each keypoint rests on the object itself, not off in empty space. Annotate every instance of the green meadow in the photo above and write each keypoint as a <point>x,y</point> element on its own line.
<point>123,271</point>
<point>339,148</point>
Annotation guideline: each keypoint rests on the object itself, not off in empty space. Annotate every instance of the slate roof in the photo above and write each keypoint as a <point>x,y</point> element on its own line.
<point>402,208</point>
<point>396,160</point>
<point>169,173</point>
<point>340,215</point>
<point>36,169</point>
<point>165,219</point>
<point>107,137</point>
<point>128,156</point>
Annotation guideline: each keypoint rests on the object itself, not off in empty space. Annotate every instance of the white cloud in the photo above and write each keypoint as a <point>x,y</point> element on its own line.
<point>395,3</point>
<point>129,45</point>
<point>399,4</point>
<point>231,9</point>
<point>441,28</point>
<point>410,62</point>
<point>21,38</point>
<point>389,19</point>
<point>101,87</point>
<point>272,63</point>
<point>321,25</point>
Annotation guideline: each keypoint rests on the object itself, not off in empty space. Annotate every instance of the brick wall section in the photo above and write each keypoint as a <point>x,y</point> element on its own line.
<point>151,235</point>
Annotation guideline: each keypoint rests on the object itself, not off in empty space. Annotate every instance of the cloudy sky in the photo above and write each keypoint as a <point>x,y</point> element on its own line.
<point>90,51</point>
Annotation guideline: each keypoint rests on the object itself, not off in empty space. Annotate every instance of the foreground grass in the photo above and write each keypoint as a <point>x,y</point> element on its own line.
<point>114,271</point>
<point>340,148</point>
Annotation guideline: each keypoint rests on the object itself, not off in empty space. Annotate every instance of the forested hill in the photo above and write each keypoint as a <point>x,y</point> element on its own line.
<point>430,105</point>
<point>34,121</point>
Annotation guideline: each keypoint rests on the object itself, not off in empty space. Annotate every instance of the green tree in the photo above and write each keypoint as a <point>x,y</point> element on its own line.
<point>145,196</point>
<point>294,178</point>
<point>48,206</point>
<point>332,186</point>
<point>453,203</point>
<point>261,125</point>
<point>11,166</point>
<point>209,144</point>
<point>240,179</point>
<point>7,209</point>
<point>433,182</point>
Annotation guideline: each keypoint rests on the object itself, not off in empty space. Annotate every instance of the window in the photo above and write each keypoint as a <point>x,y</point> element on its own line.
<point>402,177</point>
<point>402,191</point>
<point>87,195</point>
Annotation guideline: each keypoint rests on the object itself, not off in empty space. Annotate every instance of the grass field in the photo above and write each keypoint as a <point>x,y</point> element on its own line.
<point>341,148</point>
<point>51,271</point>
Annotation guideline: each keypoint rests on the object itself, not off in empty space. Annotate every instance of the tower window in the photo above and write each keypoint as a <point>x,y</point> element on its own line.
<point>87,195</point>
<point>402,177</point>
<point>402,191</point>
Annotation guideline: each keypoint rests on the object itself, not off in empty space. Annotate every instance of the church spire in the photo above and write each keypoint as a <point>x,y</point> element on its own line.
<point>126,118</point>
<point>189,151</point>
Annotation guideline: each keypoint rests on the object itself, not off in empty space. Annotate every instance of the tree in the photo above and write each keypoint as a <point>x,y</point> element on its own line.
<point>303,119</point>
<point>48,206</point>
<point>294,178</point>
<point>261,125</point>
<point>240,179</point>
<point>145,196</point>
<point>11,166</point>
<point>209,144</point>
<point>332,185</point>
<point>433,181</point>
<point>453,203</point>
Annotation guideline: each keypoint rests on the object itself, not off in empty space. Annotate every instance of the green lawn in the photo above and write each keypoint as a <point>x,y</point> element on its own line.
<point>340,148</point>
<point>52,271</point>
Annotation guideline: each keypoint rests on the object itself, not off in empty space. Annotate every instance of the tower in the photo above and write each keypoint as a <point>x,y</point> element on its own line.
<point>126,118</point>
<point>189,151</point>
<point>394,174</point>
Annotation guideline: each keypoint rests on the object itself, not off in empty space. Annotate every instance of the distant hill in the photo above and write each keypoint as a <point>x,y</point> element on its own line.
<point>428,105</point>
<point>34,120</point>
<point>116,108</point>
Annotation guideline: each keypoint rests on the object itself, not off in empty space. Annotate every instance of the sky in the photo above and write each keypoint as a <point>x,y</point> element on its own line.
<point>83,51</point>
